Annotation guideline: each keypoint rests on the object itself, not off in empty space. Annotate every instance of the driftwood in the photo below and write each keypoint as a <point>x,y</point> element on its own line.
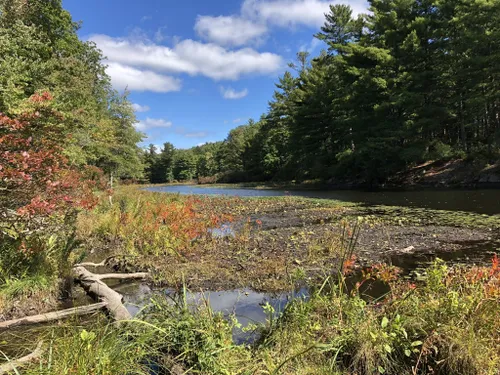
<point>12,366</point>
<point>51,316</point>
<point>94,285</point>
<point>101,264</point>
<point>122,276</point>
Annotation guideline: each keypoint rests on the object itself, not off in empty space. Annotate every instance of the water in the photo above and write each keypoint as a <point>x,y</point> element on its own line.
<point>245,304</point>
<point>248,305</point>
<point>478,201</point>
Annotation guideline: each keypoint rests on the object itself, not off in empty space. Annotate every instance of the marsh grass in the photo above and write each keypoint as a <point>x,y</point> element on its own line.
<point>446,324</point>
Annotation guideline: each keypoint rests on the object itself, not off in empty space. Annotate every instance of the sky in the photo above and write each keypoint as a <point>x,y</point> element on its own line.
<point>196,69</point>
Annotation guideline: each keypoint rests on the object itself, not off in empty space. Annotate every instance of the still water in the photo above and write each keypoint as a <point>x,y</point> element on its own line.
<point>478,201</point>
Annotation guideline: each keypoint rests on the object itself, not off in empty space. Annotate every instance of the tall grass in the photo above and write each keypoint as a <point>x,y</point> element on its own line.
<point>149,224</point>
<point>446,324</point>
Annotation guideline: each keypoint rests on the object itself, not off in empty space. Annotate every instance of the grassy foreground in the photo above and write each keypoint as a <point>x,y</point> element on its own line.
<point>446,323</point>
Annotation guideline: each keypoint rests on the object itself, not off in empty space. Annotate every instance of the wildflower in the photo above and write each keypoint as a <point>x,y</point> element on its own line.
<point>348,265</point>
<point>259,222</point>
<point>495,267</point>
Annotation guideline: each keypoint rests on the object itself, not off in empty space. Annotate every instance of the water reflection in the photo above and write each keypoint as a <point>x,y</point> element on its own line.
<point>479,201</point>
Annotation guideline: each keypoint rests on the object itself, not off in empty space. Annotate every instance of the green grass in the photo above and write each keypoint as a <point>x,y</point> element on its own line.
<point>446,324</point>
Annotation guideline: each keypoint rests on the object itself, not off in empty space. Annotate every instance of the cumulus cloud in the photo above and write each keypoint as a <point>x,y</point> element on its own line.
<point>123,76</point>
<point>295,12</point>
<point>150,123</point>
<point>188,56</point>
<point>229,30</point>
<point>230,93</point>
<point>140,108</point>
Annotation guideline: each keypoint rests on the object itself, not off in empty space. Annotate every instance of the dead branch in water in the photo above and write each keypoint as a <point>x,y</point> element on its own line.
<point>122,276</point>
<point>93,284</point>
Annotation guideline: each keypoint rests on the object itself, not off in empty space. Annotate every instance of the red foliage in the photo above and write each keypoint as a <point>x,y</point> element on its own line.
<point>495,266</point>
<point>348,266</point>
<point>35,176</point>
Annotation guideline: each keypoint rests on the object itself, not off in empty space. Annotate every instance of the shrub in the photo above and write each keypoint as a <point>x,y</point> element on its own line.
<point>41,193</point>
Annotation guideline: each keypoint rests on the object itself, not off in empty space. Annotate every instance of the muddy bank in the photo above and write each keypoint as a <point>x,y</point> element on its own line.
<point>278,244</point>
<point>449,174</point>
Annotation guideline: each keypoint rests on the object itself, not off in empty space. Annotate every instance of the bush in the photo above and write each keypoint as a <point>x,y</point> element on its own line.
<point>41,194</point>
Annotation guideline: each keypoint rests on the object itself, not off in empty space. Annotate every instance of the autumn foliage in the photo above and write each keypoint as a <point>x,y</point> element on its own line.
<point>40,189</point>
<point>35,176</point>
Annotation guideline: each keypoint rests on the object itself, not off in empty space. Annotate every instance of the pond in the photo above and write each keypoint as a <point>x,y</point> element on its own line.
<point>247,305</point>
<point>478,201</point>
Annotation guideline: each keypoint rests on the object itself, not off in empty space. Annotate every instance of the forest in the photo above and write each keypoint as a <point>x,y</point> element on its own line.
<point>410,82</point>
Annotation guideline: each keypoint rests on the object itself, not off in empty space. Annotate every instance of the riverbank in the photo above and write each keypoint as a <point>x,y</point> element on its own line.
<point>449,174</point>
<point>280,244</point>
<point>271,243</point>
<point>267,244</point>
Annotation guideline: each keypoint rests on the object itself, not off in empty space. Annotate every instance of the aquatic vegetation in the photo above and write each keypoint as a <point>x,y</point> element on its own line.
<point>150,224</point>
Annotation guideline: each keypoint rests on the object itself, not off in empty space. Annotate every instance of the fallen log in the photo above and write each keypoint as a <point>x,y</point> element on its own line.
<point>101,264</point>
<point>93,285</point>
<point>14,365</point>
<point>122,276</point>
<point>51,316</point>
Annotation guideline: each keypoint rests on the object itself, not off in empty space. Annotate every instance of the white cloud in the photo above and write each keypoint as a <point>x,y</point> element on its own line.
<point>295,12</point>
<point>196,135</point>
<point>236,121</point>
<point>188,56</point>
<point>229,30</point>
<point>140,108</point>
<point>146,18</point>
<point>149,123</point>
<point>123,76</point>
<point>230,93</point>
<point>311,46</point>
<point>160,35</point>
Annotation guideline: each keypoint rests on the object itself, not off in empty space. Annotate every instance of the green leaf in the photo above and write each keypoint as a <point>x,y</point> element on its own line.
<point>387,348</point>
<point>381,370</point>
<point>408,352</point>
<point>385,322</point>
<point>416,343</point>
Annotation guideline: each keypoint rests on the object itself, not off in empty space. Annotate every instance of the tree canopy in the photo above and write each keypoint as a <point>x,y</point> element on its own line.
<point>40,52</point>
<point>409,82</point>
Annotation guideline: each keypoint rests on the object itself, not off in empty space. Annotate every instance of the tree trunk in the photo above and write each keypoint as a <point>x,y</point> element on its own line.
<point>95,287</point>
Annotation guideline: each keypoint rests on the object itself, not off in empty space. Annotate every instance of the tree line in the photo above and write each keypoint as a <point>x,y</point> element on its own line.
<point>408,82</point>
<point>40,52</point>
<point>63,132</point>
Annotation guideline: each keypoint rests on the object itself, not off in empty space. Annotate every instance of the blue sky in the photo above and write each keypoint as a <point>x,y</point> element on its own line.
<point>198,68</point>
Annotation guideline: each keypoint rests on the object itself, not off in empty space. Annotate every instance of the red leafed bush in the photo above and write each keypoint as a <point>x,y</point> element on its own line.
<point>40,192</point>
<point>35,177</point>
